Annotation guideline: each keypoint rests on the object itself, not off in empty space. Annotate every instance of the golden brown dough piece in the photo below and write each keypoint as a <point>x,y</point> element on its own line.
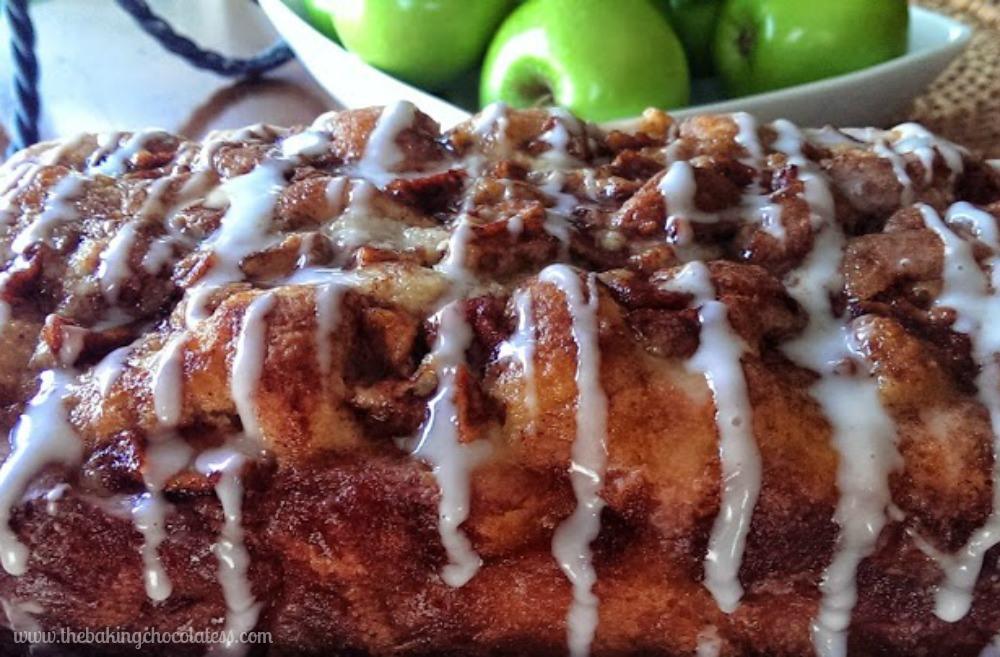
<point>328,384</point>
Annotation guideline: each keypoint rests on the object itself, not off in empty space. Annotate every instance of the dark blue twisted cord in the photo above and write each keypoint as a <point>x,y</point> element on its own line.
<point>27,104</point>
<point>198,57</point>
<point>22,38</point>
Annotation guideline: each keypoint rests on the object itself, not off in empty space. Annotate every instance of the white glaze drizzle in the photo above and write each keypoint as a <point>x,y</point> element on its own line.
<point>116,161</point>
<point>553,185</point>
<point>557,217</point>
<point>572,538</point>
<point>42,435</point>
<point>328,296</point>
<point>916,139</point>
<point>56,154</point>
<point>982,224</point>
<point>71,344</point>
<point>158,254</point>
<point>320,276</point>
<point>330,288</point>
<point>53,496</point>
<point>883,149</point>
<point>967,291</point>
<point>718,358</point>
<point>58,209</point>
<point>164,458</point>
<point>439,441</point>
<point>20,616</point>
<point>360,223</point>
<point>242,609</point>
<point>709,643</point>
<point>382,154</point>
<point>114,268</point>
<point>490,118</point>
<point>107,371</point>
<point>219,138</point>
<point>113,318</point>
<point>439,444</point>
<point>244,230</point>
<point>152,205</point>
<point>515,224</point>
<point>861,431</point>
<point>335,194</point>
<point>106,143</point>
<point>558,138</point>
<point>308,143</point>
<point>591,186</point>
<point>167,383</point>
<point>790,141</point>
<point>679,187</point>
<point>754,202</point>
<point>748,138</point>
<point>16,181</point>
<point>907,139</point>
<point>248,361</point>
<point>453,264</point>
<point>767,213</point>
<point>520,348</point>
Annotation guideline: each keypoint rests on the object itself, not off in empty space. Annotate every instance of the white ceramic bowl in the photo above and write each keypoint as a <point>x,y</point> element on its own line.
<point>870,97</point>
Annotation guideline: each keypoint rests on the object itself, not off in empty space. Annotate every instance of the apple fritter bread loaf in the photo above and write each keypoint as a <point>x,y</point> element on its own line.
<point>524,387</point>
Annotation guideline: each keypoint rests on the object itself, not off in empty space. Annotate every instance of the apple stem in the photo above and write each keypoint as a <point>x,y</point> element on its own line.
<point>545,100</point>
<point>538,93</point>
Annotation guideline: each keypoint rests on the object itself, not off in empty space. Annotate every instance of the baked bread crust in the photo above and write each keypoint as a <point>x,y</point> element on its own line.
<point>287,319</point>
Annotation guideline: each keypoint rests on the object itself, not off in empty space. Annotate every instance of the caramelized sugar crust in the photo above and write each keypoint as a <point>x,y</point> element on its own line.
<point>341,523</point>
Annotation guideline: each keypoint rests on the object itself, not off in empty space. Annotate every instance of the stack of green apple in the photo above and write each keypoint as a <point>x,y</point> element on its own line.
<point>611,59</point>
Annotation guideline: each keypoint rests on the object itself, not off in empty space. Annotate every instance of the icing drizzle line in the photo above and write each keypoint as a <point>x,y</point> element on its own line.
<point>248,362</point>
<point>967,290</point>
<point>439,444</point>
<point>165,458</point>
<point>861,430</point>
<point>242,609</point>
<point>521,348</point>
<point>42,435</point>
<point>718,358</point>
<point>862,433</point>
<point>572,538</point>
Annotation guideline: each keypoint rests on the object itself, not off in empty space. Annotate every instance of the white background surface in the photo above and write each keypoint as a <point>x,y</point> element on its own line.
<point>101,72</point>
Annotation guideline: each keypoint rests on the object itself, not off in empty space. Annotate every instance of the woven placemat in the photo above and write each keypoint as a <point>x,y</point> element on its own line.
<point>964,103</point>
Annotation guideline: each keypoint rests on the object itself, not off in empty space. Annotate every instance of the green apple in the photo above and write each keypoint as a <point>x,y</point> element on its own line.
<point>601,59</point>
<point>426,42</point>
<point>321,17</point>
<point>769,44</point>
<point>694,22</point>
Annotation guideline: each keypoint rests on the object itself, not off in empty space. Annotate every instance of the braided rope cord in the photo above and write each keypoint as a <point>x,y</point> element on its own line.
<point>27,103</point>
<point>199,57</point>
